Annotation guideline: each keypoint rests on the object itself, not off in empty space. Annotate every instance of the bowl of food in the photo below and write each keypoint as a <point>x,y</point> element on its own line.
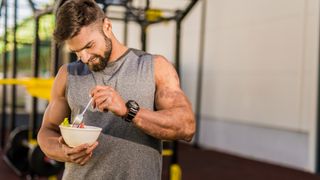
<point>75,136</point>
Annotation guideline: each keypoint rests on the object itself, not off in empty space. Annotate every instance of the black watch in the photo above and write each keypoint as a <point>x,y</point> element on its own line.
<point>133,108</point>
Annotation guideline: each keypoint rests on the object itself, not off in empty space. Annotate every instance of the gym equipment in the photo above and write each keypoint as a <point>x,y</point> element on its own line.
<point>200,75</point>
<point>36,87</point>
<point>5,72</point>
<point>22,152</point>
<point>41,165</point>
<point>15,152</point>
<point>25,157</point>
<point>113,2</point>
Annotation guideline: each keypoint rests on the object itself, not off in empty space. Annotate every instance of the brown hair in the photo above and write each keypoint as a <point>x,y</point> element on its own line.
<point>72,15</point>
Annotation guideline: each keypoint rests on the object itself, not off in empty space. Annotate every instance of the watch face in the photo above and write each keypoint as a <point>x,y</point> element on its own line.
<point>133,108</point>
<point>133,105</point>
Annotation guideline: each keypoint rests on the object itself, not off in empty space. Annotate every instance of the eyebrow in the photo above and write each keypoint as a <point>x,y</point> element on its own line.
<point>77,50</point>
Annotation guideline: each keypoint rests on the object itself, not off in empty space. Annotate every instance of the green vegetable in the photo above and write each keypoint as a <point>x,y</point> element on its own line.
<point>65,122</point>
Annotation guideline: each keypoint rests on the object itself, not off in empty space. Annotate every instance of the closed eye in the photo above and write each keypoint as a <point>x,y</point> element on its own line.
<point>87,46</point>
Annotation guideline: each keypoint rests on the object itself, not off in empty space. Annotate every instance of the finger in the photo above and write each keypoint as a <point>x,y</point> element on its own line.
<point>99,88</point>
<point>104,99</point>
<point>78,157</point>
<point>66,149</point>
<point>102,93</point>
<point>77,149</point>
<point>92,147</point>
<point>99,96</point>
<point>86,159</point>
<point>94,91</point>
<point>109,100</point>
<point>73,154</point>
<point>106,103</point>
<point>93,104</point>
<point>101,99</point>
<point>104,106</point>
<point>61,140</point>
<point>98,103</point>
<point>86,153</point>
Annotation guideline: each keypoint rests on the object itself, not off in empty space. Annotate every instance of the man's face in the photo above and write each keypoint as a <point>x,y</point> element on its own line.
<point>92,47</point>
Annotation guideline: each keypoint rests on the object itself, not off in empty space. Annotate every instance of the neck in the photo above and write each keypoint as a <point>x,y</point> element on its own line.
<point>117,50</point>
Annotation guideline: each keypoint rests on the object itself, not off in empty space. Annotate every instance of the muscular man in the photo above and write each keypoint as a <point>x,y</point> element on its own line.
<point>137,101</point>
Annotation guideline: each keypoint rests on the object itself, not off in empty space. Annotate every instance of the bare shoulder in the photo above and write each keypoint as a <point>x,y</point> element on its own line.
<point>60,82</point>
<point>168,91</point>
<point>161,63</point>
<point>165,73</point>
<point>63,69</point>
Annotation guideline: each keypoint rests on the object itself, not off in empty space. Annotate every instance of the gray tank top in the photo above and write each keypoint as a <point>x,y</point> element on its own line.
<point>124,151</point>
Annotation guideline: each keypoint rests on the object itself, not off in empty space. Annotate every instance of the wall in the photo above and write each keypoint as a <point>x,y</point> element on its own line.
<point>260,73</point>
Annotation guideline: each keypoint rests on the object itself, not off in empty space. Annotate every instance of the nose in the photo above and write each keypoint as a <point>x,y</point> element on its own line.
<point>84,56</point>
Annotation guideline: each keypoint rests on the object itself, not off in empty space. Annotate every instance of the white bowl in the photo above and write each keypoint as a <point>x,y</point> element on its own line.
<point>77,136</point>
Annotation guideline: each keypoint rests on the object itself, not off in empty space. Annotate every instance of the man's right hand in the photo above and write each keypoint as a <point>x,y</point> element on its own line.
<point>80,154</point>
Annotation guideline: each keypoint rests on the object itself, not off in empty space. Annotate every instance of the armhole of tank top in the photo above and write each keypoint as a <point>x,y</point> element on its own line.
<point>67,82</point>
<point>152,70</point>
<point>153,79</point>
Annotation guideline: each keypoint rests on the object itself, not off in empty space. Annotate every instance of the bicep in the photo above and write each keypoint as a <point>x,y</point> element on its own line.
<point>168,91</point>
<point>58,107</point>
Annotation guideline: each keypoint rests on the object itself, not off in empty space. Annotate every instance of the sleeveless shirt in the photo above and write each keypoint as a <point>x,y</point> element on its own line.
<point>124,152</point>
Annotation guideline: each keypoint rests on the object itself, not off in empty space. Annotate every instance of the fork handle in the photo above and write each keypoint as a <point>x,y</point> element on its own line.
<point>87,106</point>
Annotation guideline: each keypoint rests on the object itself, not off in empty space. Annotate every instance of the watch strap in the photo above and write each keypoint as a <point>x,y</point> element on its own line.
<point>132,110</point>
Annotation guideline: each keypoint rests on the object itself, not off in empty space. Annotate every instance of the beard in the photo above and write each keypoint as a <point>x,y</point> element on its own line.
<point>99,63</point>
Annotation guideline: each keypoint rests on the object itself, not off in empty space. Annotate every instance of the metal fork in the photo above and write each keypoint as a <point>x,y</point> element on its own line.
<point>79,118</point>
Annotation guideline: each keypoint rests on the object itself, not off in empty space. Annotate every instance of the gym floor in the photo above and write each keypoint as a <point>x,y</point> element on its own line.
<point>207,164</point>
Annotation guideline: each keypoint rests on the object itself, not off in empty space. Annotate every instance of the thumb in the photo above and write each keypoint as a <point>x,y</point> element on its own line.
<point>61,140</point>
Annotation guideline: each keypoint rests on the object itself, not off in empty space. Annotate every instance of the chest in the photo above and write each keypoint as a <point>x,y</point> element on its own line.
<point>129,85</point>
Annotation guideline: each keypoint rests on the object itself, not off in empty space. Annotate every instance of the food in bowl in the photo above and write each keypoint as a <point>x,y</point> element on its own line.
<point>67,124</point>
<point>74,136</point>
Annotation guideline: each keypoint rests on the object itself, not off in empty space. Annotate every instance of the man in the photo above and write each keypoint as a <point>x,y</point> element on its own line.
<point>137,101</point>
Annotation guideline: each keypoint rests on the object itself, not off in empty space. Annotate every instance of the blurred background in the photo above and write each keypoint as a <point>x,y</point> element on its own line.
<point>249,67</point>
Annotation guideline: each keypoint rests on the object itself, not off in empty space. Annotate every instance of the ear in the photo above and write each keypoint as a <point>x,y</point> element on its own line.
<point>107,27</point>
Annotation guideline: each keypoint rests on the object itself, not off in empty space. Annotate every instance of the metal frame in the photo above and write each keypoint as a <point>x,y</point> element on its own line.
<point>35,67</point>
<point>317,168</point>
<point>5,71</point>
<point>14,69</point>
<point>200,73</point>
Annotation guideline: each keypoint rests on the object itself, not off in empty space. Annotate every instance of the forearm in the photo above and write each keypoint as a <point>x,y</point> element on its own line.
<point>49,144</point>
<point>48,136</point>
<point>174,124</point>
